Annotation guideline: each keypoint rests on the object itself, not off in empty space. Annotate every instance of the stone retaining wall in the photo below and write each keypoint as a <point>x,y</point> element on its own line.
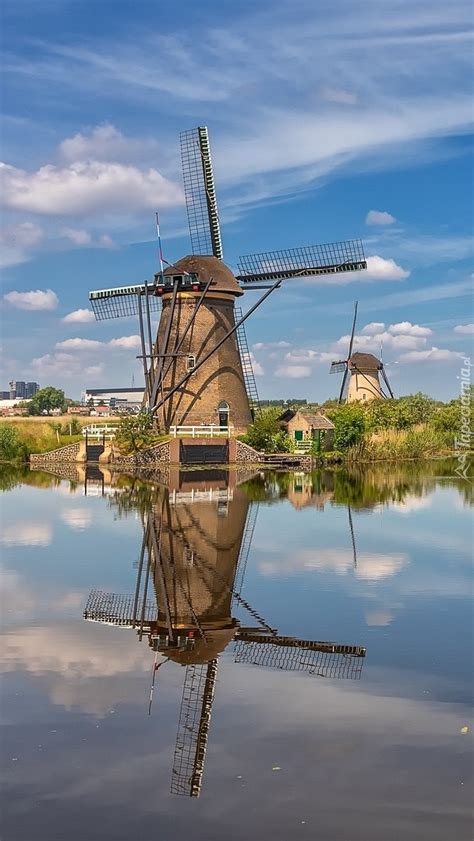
<point>159,454</point>
<point>241,453</point>
<point>69,453</point>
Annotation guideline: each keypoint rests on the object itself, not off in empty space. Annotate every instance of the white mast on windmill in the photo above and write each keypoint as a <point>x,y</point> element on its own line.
<point>364,368</point>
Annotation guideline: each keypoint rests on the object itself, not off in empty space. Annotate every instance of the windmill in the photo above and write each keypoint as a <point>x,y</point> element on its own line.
<point>198,370</point>
<point>194,551</point>
<point>364,369</point>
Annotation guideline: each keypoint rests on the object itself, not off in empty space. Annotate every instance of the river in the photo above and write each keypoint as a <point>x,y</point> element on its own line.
<point>263,655</point>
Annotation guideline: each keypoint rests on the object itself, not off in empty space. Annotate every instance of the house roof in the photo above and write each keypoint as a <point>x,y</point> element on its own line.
<point>316,420</point>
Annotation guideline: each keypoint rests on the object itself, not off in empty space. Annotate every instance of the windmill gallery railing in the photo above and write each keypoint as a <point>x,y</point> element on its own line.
<point>210,431</point>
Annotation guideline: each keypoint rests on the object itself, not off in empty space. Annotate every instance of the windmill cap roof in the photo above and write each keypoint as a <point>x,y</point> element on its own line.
<point>204,650</point>
<point>364,361</point>
<point>208,267</point>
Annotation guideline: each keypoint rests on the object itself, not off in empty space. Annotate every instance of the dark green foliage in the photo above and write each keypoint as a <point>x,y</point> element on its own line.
<point>47,399</point>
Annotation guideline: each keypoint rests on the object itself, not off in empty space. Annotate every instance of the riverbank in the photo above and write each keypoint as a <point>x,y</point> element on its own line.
<point>20,437</point>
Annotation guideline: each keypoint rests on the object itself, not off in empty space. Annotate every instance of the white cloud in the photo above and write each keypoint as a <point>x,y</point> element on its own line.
<point>466,329</point>
<point>77,518</point>
<point>433,355</point>
<point>258,369</point>
<point>293,372</point>
<point>372,343</point>
<point>35,300</point>
<point>379,217</point>
<point>105,241</point>
<point>379,268</point>
<point>270,345</point>
<point>23,235</point>
<point>26,534</point>
<point>77,236</point>
<point>78,344</point>
<point>106,143</point>
<point>378,618</point>
<point>409,329</point>
<point>80,316</point>
<point>63,365</point>
<point>123,342</point>
<point>371,566</point>
<point>91,187</point>
<point>373,327</point>
<point>412,503</point>
<point>126,342</point>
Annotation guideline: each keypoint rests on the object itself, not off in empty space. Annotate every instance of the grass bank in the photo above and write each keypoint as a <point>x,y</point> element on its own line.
<point>20,437</point>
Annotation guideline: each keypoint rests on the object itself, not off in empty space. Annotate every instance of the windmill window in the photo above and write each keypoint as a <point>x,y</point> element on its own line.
<point>190,362</point>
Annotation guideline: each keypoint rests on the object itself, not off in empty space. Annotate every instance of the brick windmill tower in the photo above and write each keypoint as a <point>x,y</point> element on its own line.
<point>198,371</point>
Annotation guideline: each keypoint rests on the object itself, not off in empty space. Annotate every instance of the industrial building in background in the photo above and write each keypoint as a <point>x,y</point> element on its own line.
<point>21,390</point>
<point>198,371</point>
<point>114,398</point>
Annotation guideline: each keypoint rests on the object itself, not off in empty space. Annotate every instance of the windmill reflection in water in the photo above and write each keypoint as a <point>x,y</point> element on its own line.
<point>195,547</point>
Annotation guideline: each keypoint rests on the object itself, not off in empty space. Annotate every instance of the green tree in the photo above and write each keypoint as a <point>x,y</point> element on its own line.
<point>136,432</point>
<point>349,425</point>
<point>419,407</point>
<point>45,400</point>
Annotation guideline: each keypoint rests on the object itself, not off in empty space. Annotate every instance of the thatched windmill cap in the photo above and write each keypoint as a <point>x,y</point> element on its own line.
<point>364,363</point>
<point>209,267</point>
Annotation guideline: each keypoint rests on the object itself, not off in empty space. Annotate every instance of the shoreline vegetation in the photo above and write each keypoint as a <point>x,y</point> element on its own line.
<point>407,428</point>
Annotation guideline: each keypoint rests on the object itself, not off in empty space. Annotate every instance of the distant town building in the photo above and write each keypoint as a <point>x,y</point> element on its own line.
<point>4,395</point>
<point>115,398</point>
<point>19,390</point>
<point>31,389</point>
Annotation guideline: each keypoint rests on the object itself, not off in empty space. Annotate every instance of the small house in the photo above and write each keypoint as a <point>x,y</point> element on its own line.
<point>304,427</point>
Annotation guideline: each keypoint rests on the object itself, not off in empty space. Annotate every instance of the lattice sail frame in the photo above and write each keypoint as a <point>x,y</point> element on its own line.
<point>122,301</point>
<point>323,663</point>
<point>200,192</point>
<point>344,256</point>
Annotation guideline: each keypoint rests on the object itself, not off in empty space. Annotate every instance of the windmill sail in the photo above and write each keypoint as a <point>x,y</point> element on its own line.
<point>325,659</point>
<point>200,193</point>
<point>247,367</point>
<point>122,301</point>
<point>193,728</point>
<point>310,260</point>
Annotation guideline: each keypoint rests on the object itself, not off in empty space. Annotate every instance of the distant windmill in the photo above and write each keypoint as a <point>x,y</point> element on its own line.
<point>364,369</point>
<point>198,371</point>
<point>193,557</point>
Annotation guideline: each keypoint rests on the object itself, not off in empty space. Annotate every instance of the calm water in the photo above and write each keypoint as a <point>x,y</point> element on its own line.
<point>302,743</point>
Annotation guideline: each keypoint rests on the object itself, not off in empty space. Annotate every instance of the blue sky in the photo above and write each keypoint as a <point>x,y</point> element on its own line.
<point>327,121</point>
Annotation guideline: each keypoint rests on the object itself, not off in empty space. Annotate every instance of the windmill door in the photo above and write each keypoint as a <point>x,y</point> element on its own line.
<point>223,409</point>
<point>298,434</point>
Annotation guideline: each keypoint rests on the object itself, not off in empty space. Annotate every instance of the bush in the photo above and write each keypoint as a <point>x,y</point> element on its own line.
<point>135,432</point>
<point>12,448</point>
<point>349,425</point>
<point>266,435</point>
